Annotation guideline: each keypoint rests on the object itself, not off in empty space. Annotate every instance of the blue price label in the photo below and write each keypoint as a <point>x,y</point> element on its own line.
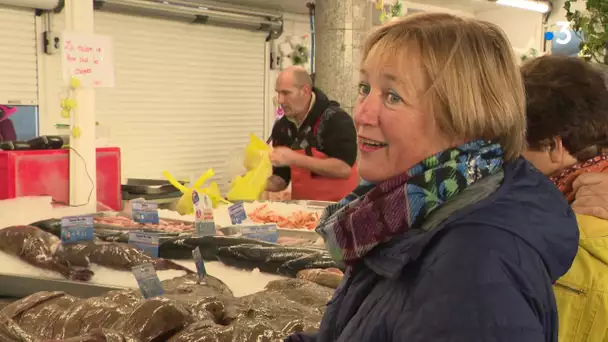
<point>264,232</point>
<point>77,228</point>
<point>204,222</point>
<point>146,242</point>
<point>200,264</point>
<point>147,280</point>
<point>237,213</point>
<point>144,212</point>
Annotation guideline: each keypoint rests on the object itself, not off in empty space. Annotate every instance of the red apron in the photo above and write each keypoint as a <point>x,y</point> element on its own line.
<point>307,186</point>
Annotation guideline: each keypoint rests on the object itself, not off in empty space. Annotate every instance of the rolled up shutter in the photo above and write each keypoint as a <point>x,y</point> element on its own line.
<point>18,59</point>
<point>186,95</point>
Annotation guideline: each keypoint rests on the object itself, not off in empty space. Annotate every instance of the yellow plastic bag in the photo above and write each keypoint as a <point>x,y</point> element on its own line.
<point>255,152</point>
<point>184,205</point>
<point>252,185</point>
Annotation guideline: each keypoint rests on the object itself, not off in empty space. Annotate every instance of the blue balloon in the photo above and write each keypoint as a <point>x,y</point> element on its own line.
<point>549,36</point>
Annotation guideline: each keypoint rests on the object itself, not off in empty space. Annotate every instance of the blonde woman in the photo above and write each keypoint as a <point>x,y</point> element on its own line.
<point>453,236</point>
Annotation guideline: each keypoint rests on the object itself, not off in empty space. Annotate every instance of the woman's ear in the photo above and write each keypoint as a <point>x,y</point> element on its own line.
<point>556,150</point>
<point>559,155</point>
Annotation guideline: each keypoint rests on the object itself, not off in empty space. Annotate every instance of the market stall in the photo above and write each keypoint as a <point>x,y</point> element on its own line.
<point>248,283</point>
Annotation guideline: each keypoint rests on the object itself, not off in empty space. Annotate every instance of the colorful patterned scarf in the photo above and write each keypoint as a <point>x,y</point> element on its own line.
<point>374,213</point>
<point>565,178</point>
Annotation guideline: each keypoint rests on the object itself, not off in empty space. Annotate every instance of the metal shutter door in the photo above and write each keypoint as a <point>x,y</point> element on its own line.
<point>186,95</point>
<point>18,63</point>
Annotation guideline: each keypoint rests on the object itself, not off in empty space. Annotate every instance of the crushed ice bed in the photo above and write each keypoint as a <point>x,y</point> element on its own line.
<point>241,282</point>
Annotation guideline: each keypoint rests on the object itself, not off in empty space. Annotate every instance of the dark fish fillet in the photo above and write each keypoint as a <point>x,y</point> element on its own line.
<point>210,245</point>
<point>37,248</point>
<point>171,245</point>
<point>154,320</point>
<point>111,255</point>
<point>12,332</point>
<point>91,314</point>
<point>102,335</point>
<point>274,259</point>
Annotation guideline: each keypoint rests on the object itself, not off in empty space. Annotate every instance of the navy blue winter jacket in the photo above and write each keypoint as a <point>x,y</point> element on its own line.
<point>483,274</point>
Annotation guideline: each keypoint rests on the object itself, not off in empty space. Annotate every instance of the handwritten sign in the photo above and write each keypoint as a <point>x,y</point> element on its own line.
<point>88,57</point>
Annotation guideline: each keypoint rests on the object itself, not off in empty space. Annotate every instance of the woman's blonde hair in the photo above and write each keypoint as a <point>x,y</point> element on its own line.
<point>473,84</point>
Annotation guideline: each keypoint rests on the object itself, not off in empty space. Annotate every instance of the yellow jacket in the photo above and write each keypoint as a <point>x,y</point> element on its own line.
<point>582,294</point>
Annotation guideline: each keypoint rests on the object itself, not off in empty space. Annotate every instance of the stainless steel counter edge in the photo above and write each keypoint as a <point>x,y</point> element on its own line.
<point>16,286</point>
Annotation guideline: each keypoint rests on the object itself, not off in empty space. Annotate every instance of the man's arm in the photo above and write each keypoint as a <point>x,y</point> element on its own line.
<point>338,140</point>
<point>281,176</point>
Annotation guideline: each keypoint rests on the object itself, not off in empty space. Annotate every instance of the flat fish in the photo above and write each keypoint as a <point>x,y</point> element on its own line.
<point>276,259</point>
<point>94,314</point>
<point>100,335</point>
<point>37,248</point>
<point>38,313</point>
<point>204,331</point>
<point>154,319</point>
<point>112,255</point>
<point>304,292</point>
<point>121,316</point>
<point>12,332</point>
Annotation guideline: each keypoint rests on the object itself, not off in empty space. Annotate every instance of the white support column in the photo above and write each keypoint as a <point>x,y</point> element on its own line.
<point>340,28</point>
<point>79,18</point>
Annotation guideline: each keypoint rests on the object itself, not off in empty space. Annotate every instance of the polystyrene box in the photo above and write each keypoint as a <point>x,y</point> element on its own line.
<point>46,173</point>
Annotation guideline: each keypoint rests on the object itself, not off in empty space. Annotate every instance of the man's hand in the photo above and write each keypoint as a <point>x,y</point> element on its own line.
<point>327,167</point>
<point>591,195</point>
<point>282,156</point>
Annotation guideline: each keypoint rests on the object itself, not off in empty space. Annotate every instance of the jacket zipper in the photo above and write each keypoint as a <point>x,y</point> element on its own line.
<point>568,287</point>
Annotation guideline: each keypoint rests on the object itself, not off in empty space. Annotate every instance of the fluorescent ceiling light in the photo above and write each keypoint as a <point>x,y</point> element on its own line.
<point>530,5</point>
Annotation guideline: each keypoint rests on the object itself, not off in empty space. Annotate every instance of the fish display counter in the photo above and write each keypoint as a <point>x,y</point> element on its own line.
<point>89,290</point>
<point>188,310</point>
<point>112,249</point>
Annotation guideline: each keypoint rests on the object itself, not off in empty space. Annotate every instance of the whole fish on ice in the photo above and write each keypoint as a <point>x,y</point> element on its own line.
<point>111,255</point>
<point>275,259</point>
<point>38,248</point>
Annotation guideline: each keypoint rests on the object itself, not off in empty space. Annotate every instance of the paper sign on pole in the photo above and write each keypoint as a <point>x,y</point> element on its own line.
<point>88,57</point>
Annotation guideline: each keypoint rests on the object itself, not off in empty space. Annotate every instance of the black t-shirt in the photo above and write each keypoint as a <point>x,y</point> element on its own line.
<point>335,136</point>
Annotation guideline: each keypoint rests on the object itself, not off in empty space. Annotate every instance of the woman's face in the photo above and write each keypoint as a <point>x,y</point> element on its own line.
<point>394,130</point>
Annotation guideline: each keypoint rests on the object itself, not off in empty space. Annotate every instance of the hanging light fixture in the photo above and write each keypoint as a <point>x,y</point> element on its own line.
<point>530,5</point>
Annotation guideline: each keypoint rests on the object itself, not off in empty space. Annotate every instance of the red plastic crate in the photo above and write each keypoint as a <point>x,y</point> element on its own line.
<point>46,173</point>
